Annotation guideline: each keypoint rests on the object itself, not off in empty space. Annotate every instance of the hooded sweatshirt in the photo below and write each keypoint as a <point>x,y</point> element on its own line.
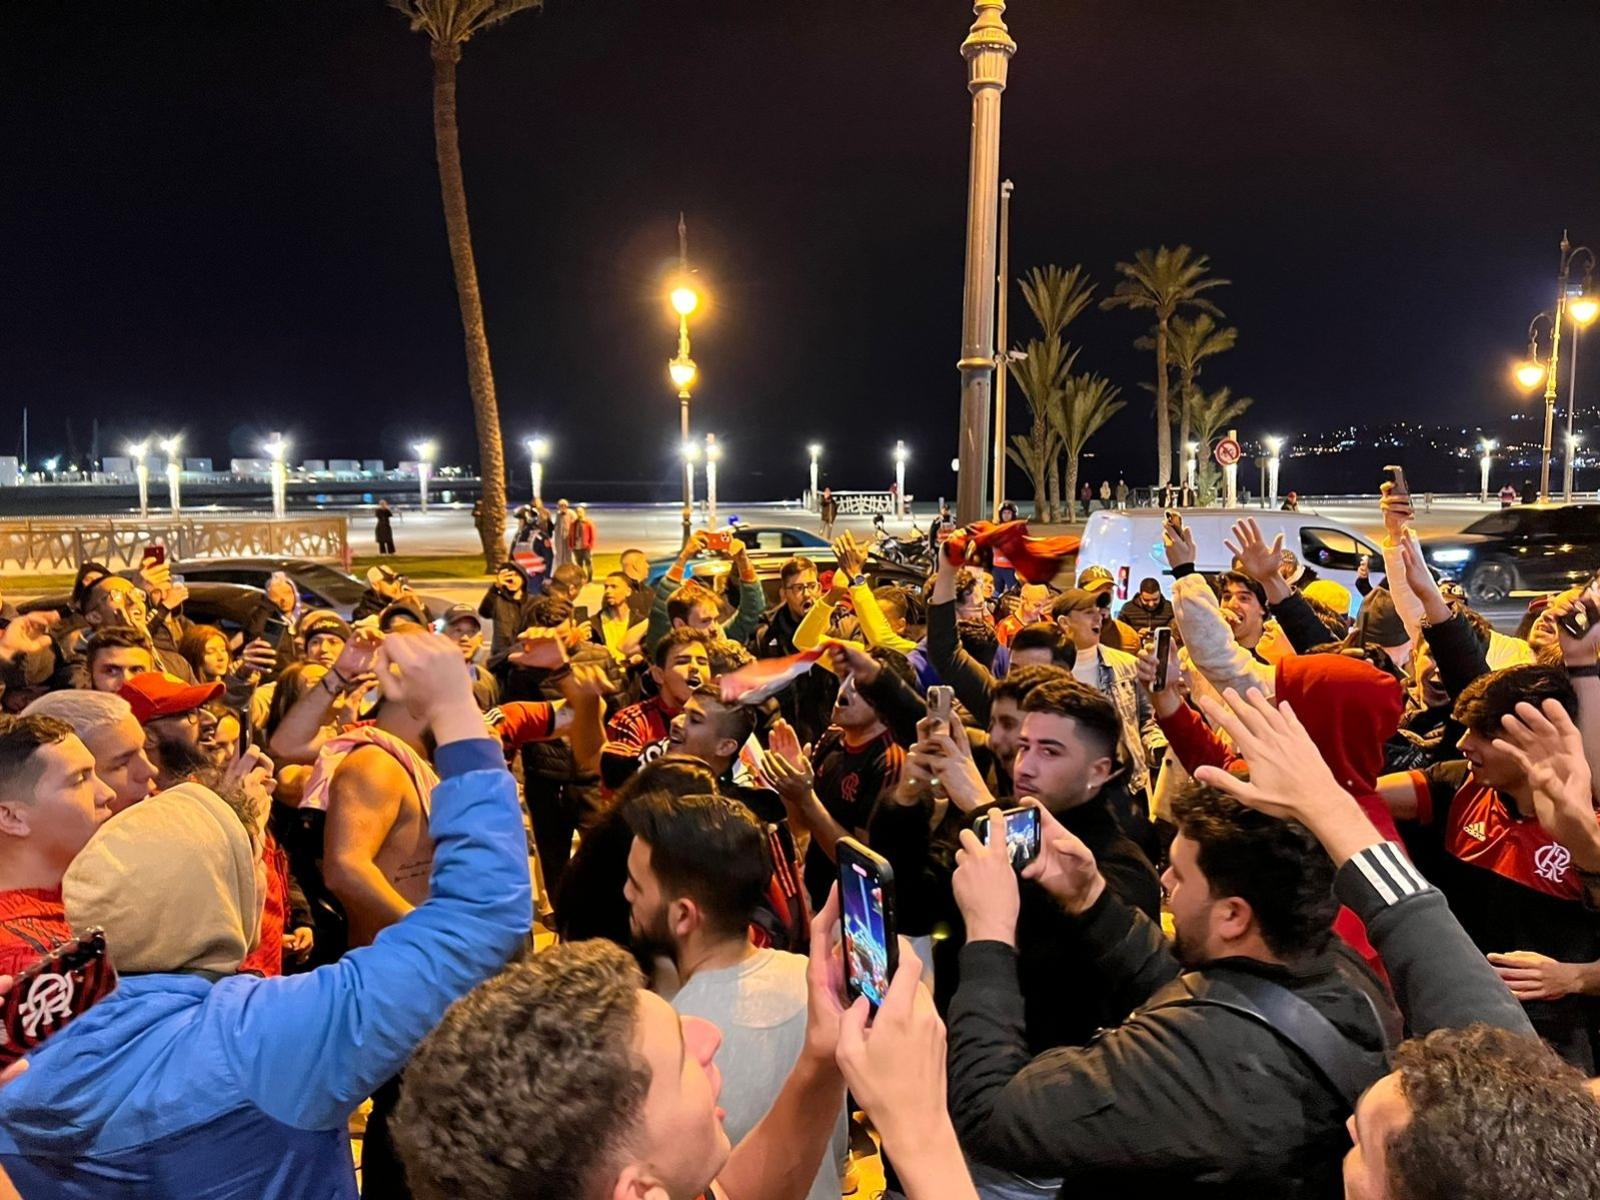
<point>179,1084</point>
<point>1350,709</point>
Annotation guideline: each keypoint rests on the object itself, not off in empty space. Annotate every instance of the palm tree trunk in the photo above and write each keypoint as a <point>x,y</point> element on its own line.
<point>1055,485</point>
<point>480,376</point>
<point>1072,487</point>
<point>1163,422</point>
<point>1181,450</point>
<point>1041,496</point>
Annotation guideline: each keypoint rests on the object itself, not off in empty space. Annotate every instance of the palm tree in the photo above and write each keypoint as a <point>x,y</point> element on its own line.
<point>1210,415</point>
<point>1057,296</point>
<point>1084,405</point>
<point>1190,341</point>
<point>449,24</point>
<point>1041,377</point>
<point>1164,281</point>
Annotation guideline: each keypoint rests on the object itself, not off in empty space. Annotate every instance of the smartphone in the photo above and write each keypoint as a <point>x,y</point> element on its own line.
<point>1399,474</point>
<point>581,613</point>
<point>156,552</point>
<point>720,541</point>
<point>275,627</point>
<point>67,981</point>
<point>1580,620</point>
<point>866,902</point>
<point>1163,657</point>
<point>1023,833</point>
<point>941,702</point>
<point>1174,520</point>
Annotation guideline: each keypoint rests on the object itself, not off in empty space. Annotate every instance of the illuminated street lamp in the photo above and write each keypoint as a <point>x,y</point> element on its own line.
<point>538,449</point>
<point>713,456</point>
<point>1274,457</point>
<point>1193,464</point>
<point>1528,374</point>
<point>900,456</point>
<point>1487,445</point>
<point>170,447</point>
<point>276,447</point>
<point>141,473</point>
<point>685,299</point>
<point>1582,310</point>
<point>815,450</point>
<point>425,452</point>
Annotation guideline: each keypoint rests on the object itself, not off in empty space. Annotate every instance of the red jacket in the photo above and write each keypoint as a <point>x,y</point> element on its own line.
<point>267,958</point>
<point>1350,709</point>
<point>580,534</point>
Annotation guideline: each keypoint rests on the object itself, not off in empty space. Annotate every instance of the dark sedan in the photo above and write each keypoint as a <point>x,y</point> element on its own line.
<point>1526,550</point>
<point>319,585</point>
<point>233,608</point>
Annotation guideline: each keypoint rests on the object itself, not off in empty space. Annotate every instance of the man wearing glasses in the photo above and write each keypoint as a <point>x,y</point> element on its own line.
<point>177,728</point>
<point>807,703</point>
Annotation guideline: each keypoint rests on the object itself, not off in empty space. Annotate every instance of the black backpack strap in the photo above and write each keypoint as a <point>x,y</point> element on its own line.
<point>1345,1067</point>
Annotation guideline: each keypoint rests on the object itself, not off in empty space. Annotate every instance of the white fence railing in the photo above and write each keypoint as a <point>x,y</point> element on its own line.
<point>61,543</point>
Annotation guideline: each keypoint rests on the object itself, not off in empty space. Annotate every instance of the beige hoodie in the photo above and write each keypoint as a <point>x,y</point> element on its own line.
<point>173,881</point>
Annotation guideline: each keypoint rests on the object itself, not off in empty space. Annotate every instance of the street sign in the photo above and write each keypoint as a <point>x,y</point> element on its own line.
<point>1227,452</point>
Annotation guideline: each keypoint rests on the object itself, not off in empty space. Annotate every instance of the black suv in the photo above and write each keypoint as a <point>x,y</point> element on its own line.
<point>1529,549</point>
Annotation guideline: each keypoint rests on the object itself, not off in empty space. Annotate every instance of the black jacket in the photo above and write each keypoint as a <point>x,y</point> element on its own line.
<point>1142,619</point>
<point>510,615</point>
<point>1065,997</point>
<point>1197,1099</point>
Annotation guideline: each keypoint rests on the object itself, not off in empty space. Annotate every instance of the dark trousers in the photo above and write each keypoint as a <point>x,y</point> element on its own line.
<point>383,1175</point>
<point>558,810</point>
<point>385,542</point>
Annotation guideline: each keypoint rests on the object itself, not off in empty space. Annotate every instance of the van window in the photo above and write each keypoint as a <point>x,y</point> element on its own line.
<point>1331,548</point>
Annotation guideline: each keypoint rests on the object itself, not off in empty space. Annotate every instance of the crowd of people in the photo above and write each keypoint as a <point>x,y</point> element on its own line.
<point>1314,907</point>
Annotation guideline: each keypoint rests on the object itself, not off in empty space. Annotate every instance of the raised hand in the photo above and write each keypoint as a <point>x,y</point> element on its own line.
<point>28,634</point>
<point>1259,560</point>
<point>360,655</point>
<point>1287,772</point>
<point>1577,651</point>
<point>1549,749</point>
<point>584,684</point>
<point>853,661</point>
<point>1065,866</point>
<point>257,657</point>
<point>544,648</point>
<point>850,555</point>
<point>424,671</point>
<point>1179,545</point>
<point>1395,505</point>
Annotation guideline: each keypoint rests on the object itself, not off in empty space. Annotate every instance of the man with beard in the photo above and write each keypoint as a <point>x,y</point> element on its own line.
<point>1191,1089</point>
<point>697,871</point>
<point>114,655</point>
<point>105,724</point>
<point>113,600</point>
<point>177,728</point>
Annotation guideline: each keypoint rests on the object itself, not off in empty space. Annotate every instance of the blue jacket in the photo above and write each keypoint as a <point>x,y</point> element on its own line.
<point>174,1086</point>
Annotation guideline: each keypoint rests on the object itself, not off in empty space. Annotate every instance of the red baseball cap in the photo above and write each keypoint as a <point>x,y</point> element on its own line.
<point>156,694</point>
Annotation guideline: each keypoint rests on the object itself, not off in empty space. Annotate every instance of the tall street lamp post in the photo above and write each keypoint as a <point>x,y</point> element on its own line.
<point>815,450</point>
<point>1274,457</point>
<point>1484,463</point>
<point>424,452</point>
<point>1529,373</point>
<point>685,299</point>
<point>1001,370</point>
<point>713,456</point>
<point>170,447</point>
<point>988,50</point>
<point>691,455</point>
<point>1582,309</point>
<point>276,447</point>
<point>900,456</point>
<point>538,448</point>
<point>141,474</point>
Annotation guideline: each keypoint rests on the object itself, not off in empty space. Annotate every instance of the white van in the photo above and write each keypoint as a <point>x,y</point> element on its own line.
<point>1128,544</point>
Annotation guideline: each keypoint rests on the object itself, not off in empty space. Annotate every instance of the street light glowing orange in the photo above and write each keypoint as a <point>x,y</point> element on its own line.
<point>684,300</point>
<point>1583,310</point>
<point>1530,375</point>
<point>682,372</point>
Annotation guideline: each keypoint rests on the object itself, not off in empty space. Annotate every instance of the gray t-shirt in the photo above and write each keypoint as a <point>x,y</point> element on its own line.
<point>760,1007</point>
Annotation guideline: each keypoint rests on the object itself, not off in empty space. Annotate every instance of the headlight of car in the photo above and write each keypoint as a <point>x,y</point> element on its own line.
<point>1450,556</point>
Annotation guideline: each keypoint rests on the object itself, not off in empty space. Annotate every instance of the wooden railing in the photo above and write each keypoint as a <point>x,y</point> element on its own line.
<point>61,543</point>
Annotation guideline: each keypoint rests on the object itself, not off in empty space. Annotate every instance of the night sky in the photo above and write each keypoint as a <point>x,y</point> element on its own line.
<point>225,217</point>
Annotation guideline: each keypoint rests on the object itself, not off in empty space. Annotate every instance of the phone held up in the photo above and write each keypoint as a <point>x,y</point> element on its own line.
<point>156,552</point>
<point>1578,622</point>
<point>941,703</point>
<point>866,904</point>
<point>1023,833</point>
<point>1163,647</point>
<point>69,980</point>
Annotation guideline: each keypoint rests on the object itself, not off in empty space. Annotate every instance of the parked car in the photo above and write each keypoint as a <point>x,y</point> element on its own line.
<point>233,608</point>
<point>1128,544</point>
<point>778,537</point>
<point>1526,550</point>
<point>320,585</point>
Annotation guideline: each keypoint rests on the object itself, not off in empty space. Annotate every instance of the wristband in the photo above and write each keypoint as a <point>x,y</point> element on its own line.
<point>1591,671</point>
<point>1183,570</point>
